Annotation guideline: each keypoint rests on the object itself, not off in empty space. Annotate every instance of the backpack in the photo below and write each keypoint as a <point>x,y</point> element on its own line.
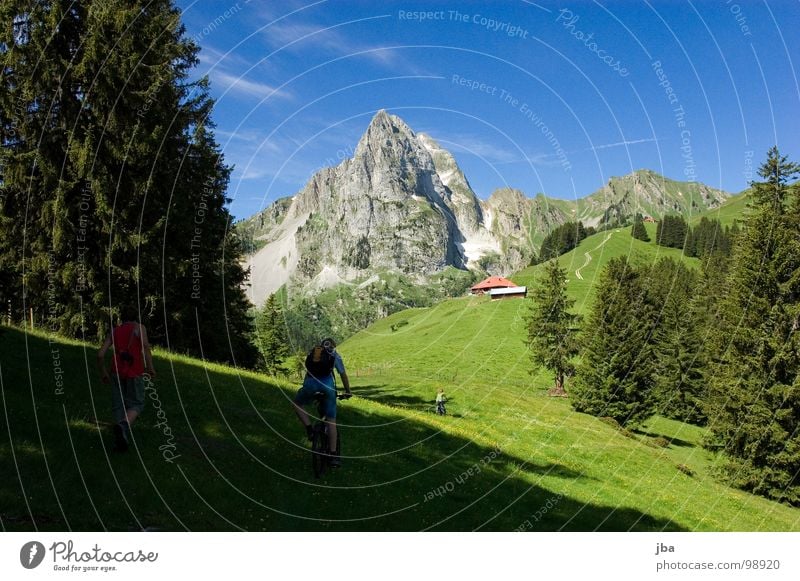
<point>125,358</point>
<point>319,362</point>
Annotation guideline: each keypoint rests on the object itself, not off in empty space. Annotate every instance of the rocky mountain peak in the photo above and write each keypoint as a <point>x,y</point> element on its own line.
<point>386,134</point>
<point>402,204</point>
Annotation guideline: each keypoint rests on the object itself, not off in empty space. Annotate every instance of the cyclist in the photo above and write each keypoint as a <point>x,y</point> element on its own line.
<point>320,363</point>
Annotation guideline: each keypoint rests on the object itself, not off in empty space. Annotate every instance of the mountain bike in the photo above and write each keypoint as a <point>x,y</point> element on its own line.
<point>320,445</point>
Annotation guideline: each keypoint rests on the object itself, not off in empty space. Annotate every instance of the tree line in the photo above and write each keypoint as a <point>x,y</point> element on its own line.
<point>706,238</point>
<point>112,185</point>
<point>562,239</point>
<point>718,346</point>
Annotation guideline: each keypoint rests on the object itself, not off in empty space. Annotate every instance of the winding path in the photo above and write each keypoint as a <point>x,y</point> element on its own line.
<point>588,256</point>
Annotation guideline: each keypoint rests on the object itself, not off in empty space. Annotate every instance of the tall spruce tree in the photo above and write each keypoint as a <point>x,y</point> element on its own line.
<point>552,332</point>
<point>679,388</point>
<point>271,338</point>
<point>40,44</point>
<point>615,377</point>
<point>113,187</point>
<point>754,392</point>
<point>638,230</point>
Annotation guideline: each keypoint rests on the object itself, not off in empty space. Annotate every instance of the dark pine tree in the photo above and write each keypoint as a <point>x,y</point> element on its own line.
<point>754,392</point>
<point>679,357</point>
<point>270,336</point>
<point>40,100</point>
<point>109,153</point>
<point>561,240</point>
<point>639,231</point>
<point>615,377</point>
<point>552,332</point>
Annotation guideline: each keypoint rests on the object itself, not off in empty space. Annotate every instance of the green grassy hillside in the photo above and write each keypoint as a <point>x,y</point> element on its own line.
<point>505,458</point>
<point>732,210</point>
<point>585,263</point>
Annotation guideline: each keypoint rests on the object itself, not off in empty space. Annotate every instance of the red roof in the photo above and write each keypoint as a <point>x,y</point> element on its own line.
<point>493,282</point>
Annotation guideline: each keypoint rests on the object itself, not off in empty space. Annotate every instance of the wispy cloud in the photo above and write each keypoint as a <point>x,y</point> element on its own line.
<point>621,144</point>
<point>228,82</point>
<point>477,146</point>
<point>331,42</point>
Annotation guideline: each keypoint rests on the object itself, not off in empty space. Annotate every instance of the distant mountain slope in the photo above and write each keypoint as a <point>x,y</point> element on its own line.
<point>402,204</point>
<point>733,209</point>
<point>647,193</point>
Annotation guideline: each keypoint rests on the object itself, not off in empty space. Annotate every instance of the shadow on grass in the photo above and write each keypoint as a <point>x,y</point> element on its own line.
<point>672,441</point>
<point>391,396</point>
<point>252,471</point>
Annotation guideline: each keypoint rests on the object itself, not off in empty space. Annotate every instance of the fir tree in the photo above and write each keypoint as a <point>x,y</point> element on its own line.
<point>113,187</point>
<point>639,231</point>
<point>615,375</point>
<point>679,364</point>
<point>754,391</point>
<point>271,336</point>
<point>552,336</point>
<point>561,240</point>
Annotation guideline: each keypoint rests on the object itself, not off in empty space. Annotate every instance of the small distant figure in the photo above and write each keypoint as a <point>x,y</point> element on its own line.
<point>440,399</point>
<point>132,360</point>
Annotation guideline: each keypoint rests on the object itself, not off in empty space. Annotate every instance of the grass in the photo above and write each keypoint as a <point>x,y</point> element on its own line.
<point>732,210</point>
<point>242,463</point>
<point>602,247</point>
<point>219,448</point>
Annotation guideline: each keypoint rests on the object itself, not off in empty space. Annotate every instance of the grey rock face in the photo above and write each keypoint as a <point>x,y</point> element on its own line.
<point>403,204</point>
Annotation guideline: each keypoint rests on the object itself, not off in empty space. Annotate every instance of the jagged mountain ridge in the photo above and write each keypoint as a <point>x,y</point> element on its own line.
<point>403,204</point>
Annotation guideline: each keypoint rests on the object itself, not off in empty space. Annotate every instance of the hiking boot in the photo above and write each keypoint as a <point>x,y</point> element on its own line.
<point>121,431</point>
<point>334,461</point>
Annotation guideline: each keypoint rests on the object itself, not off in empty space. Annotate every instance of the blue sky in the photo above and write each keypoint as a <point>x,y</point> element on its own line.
<point>543,97</point>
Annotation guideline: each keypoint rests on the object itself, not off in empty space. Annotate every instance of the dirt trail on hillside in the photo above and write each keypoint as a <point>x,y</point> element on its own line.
<point>588,256</point>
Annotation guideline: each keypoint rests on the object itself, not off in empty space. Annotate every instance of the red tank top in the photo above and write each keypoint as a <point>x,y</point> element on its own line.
<point>127,338</point>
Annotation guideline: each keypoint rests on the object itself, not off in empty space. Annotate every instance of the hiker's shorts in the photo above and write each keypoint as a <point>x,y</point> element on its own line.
<point>126,394</point>
<point>311,386</point>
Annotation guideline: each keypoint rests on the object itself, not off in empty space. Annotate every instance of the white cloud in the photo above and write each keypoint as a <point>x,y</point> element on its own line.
<point>228,82</point>
<point>490,152</point>
<point>621,144</point>
<point>298,37</point>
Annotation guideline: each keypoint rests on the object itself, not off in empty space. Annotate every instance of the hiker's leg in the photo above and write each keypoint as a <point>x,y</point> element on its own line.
<point>117,399</point>
<point>302,414</point>
<point>134,399</point>
<point>332,435</point>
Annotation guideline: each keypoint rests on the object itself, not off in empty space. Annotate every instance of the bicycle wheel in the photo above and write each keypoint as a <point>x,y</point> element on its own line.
<point>319,450</point>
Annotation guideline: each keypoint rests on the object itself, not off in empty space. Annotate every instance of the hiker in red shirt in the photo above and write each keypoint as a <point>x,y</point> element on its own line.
<point>131,361</point>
